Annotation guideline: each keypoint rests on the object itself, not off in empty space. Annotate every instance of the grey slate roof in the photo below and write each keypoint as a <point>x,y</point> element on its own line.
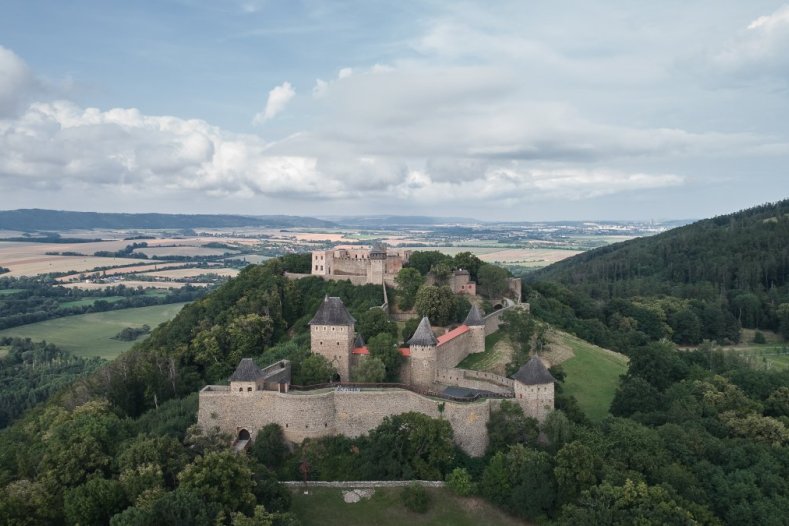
<point>332,312</point>
<point>359,341</point>
<point>533,372</point>
<point>474,317</point>
<point>246,371</point>
<point>423,334</point>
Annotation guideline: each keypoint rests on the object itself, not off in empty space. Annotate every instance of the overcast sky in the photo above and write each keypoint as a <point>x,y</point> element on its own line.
<point>495,110</point>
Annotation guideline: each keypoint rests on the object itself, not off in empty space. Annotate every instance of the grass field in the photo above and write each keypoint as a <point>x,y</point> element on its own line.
<point>6,292</point>
<point>484,361</point>
<point>89,301</point>
<point>3,351</point>
<point>592,375</point>
<point>90,334</point>
<point>326,507</point>
<point>182,273</point>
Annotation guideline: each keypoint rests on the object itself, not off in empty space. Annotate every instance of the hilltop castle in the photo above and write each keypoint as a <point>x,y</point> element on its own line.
<point>431,384</point>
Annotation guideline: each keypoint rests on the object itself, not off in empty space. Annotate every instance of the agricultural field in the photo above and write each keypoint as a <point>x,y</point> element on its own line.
<point>89,301</point>
<point>131,283</point>
<point>182,273</point>
<point>122,270</point>
<point>592,372</point>
<point>22,265</point>
<point>326,507</point>
<point>91,335</point>
<point>154,252</point>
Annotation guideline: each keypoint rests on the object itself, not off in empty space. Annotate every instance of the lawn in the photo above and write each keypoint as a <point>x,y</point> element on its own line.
<point>483,361</point>
<point>89,301</point>
<point>592,375</point>
<point>325,507</point>
<point>91,334</point>
<point>6,292</point>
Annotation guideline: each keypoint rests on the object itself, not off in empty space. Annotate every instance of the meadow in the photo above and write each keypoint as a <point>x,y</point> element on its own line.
<point>326,507</point>
<point>91,335</point>
<point>592,374</point>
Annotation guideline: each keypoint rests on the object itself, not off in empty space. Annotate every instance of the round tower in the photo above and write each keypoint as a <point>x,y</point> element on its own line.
<point>534,389</point>
<point>476,326</point>
<point>423,355</point>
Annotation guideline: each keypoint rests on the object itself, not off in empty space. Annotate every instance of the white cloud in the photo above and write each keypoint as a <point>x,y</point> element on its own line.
<point>278,98</point>
<point>759,51</point>
<point>344,73</point>
<point>17,82</point>
<point>319,90</point>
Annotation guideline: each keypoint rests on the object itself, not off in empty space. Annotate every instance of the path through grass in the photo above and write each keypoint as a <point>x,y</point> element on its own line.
<point>91,334</point>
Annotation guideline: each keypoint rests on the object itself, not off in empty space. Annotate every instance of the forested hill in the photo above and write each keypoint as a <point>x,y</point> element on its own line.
<point>739,262</point>
<point>28,220</point>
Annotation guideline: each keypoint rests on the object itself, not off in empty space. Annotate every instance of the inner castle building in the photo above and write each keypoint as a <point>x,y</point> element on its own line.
<point>431,384</point>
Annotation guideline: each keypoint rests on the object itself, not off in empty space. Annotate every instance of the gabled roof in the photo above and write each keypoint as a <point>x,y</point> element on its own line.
<point>533,372</point>
<point>246,371</point>
<point>423,334</point>
<point>332,312</point>
<point>474,318</point>
<point>451,335</point>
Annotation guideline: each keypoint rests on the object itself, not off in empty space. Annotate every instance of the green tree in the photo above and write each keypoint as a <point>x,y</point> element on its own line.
<point>314,369</point>
<point>441,272</point>
<point>269,447</point>
<point>460,482</point>
<point>375,321</point>
<point>409,328</point>
<point>437,303</point>
<point>94,502</point>
<point>370,370</point>
<point>249,334</point>
<point>508,425</point>
<point>492,280</point>
<point>408,282</point>
<point>521,481</point>
<point>415,498</point>
<point>222,478</point>
<point>468,261</point>
<point>783,319</point>
<point>557,429</point>
<point>631,503</point>
<point>384,348</point>
<point>423,261</point>
<point>576,470</point>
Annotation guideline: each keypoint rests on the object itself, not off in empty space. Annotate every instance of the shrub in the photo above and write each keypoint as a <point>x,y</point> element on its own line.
<point>459,481</point>
<point>758,337</point>
<point>415,498</point>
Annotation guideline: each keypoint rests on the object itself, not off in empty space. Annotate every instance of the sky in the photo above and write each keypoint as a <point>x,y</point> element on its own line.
<point>524,110</point>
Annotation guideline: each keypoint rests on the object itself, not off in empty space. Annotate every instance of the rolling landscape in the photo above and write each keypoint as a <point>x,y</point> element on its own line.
<point>310,263</point>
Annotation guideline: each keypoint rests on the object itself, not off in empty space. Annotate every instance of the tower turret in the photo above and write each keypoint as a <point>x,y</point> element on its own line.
<point>534,389</point>
<point>423,354</point>
<point>246,378</point>
<point>377,264</point>
<point>332,335</point>
<point>476,326</point>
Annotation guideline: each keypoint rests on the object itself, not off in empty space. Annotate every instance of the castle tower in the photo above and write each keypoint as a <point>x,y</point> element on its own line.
<point>322,263</point>
<point>246,379</point>
<point>377,264</point>
<point>423,354</point>
<point>476,327</point>
<point>332,335</point>
<point>534,389</point>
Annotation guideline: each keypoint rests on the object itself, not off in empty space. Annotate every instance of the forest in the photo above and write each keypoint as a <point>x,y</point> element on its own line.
<point>694,437</point>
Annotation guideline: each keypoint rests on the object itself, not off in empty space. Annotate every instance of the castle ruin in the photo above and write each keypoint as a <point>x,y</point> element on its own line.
<point>431,384</point>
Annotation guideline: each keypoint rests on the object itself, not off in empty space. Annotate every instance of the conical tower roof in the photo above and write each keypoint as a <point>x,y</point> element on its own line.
<point>533,372</point>
<point>332,312</point>
<point>246,371</point>
<point>423,334</point>
<point>474,318</point>
<point>359,341</point>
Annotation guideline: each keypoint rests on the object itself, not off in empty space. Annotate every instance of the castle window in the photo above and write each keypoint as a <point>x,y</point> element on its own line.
<point>307,426</point>
<point>321,267</point>
<point>240,389</point>
<point>325,424</point>
<point>286,425</point>
<point>249,389</point>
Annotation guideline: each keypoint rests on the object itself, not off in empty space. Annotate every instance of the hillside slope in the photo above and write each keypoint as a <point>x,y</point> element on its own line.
<point>736,264</point>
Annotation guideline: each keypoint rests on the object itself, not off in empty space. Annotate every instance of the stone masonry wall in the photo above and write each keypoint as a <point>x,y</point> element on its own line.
<point>329,412</point>
<point>475,380</point>
<point>452,352</point>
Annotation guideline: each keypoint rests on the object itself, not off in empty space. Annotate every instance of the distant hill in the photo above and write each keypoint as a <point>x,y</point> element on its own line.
<point>698,281</point>
<point>30,220</point>
<point>399,221</point>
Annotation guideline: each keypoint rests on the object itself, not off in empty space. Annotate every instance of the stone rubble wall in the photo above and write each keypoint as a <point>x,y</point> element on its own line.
<point>475,380</point>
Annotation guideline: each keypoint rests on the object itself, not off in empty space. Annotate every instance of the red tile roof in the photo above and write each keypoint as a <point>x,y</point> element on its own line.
<point>405,351</point>
<point>454,333</point>
<point>360,350</point>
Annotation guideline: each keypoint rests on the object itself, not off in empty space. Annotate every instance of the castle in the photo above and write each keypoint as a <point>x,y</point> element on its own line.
<point>431,384</point>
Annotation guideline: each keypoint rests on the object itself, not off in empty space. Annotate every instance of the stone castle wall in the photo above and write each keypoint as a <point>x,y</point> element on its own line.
<point>328,412</point>
<point>536,400</point>
<point>475,380</point>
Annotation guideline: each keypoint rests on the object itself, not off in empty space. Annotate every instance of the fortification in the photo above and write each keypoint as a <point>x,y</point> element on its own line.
<point>431,385</point>
<point>376,265</point>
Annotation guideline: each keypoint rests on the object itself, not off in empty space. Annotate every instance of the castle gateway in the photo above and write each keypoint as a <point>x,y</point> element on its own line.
<point>432,385</point>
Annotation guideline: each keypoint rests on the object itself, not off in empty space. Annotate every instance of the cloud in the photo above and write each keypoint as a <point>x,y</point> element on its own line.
<point>759,51</point>
<point>17,83</point>
<point>344,73</point>
<point>278,98</point>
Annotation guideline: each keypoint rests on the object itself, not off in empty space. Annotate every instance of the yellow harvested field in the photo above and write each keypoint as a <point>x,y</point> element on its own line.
<point>131,283</point>
<point>125,270</point>
<point>181,250</point>
<point>192,272</point>
<point>528,256</point>
<point>26,265</point>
